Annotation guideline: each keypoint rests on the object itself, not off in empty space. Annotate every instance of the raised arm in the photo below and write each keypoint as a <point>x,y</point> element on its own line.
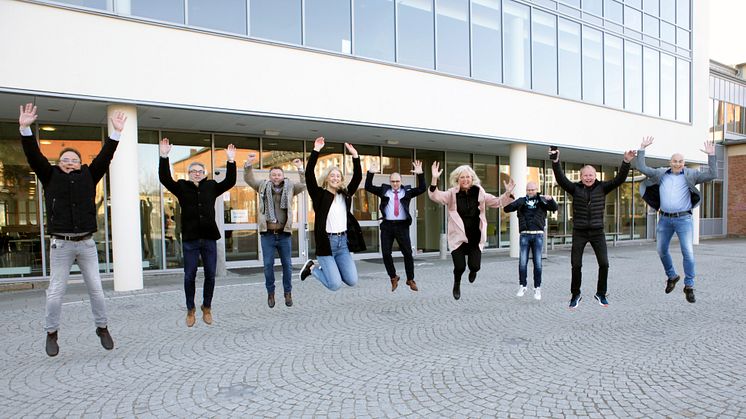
<point>248,172</point>
<point>101,162</point>
<point>435,194</point>
<point>164,167</point>
<point>640,161</point>
<point>230,172</point>
<point>421,186</point>
<point>712,163</point>
<point>311,184</point>
<point>357,170</point>
<point>492,201</point>
<point>39,164</point>
<point>300,186</point>
<point>622,173</point>
<point>559,174</point>
<point>369,186</point>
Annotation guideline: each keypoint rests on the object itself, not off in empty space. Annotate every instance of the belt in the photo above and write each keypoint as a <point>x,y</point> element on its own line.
<point>71,238</point>
<point>342,233</point>
<point>275,231</point>
<point>533,232</point>
<point>676,214</point>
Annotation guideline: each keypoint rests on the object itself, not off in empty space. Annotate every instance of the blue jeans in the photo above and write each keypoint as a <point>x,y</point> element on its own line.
<point>535,244</point>
<point>684,229</point>
<point>333,270</point>
<point>193,249</point>
<point>282,242</point>
<point>62,255</point>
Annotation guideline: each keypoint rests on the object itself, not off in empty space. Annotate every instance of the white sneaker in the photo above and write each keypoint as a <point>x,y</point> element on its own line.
<point>537,293</point>
<point>521,291</point>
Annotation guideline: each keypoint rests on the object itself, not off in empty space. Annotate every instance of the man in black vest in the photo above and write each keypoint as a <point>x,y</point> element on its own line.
<point>588,204</point>
<point>69,195</point>
<point>396,219</point>
<point>199,231</point>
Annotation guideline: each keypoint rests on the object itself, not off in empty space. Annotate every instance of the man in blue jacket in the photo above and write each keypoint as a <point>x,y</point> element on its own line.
<point>673,192</point>
<point>69,195</point>
<point>532,214</point>
<point>396,219</point>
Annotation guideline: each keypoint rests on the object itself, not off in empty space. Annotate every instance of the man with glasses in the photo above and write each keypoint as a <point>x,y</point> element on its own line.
<point>275,196</point>
<point>69,196</point>
<point>198,228</point>
<point>532,214</point>
<point>396,219</point>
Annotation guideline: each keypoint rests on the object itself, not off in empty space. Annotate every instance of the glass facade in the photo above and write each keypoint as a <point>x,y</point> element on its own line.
<point>590,50</point>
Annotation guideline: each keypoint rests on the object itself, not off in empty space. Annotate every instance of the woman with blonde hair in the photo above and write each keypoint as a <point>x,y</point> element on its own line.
<point>337,232</point>
<point>466,202</point>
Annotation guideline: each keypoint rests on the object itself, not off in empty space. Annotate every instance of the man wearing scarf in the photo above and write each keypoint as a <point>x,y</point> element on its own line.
<point>276,222</point>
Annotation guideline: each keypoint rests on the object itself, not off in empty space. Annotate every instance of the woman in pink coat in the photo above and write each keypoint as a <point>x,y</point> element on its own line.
<point>466,202</point>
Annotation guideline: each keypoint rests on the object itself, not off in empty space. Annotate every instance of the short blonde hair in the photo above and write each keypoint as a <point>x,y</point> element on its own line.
<point>322,180</point>
<point>457,172</point>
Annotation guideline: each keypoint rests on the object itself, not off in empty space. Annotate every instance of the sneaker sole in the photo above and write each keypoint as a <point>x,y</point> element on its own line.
<point>576,305</point>
<point>600,303</point>
<point>309,261</point>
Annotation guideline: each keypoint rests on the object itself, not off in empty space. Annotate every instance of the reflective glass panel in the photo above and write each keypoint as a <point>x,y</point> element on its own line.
<point>650,26</point>
<point>651,6</point>
<point>277,20</point>
<point>166,10</point>
<point>682,38</point>
<point>93,4</point>
<point>632,76</point>
<point>593,73</point>
<point>151,225</point>
<point>668,10</point>
<point>415,33</point>
<point>668,32</point>
<point>20,223</point>
<point>397,160</point>
<point>486,168</point>
<point>613,11</point>
<point>683,83</point>
<point>430,215</point>
<point>613,71</point>
<point>453,36</point>
<point>651,73</point>
<point>569,59</point>
<point>485,40</point>
<point>327,25</point>
<point>544,52</point>
<point>222,15</point>
<point>682,13</point>
<point>632,18</point>
<point>516,44</point>
<point>374,29</point>
<point>668,86</point>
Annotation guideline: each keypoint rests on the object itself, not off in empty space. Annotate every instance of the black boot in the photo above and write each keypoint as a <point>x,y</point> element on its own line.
<point>457,289</point>
<point>52,348</point>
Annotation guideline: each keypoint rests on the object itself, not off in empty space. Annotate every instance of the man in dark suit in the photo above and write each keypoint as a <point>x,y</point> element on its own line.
<point>396,219</point>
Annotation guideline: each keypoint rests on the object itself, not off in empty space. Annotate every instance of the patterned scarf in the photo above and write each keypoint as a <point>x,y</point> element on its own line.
<point>267,204</point>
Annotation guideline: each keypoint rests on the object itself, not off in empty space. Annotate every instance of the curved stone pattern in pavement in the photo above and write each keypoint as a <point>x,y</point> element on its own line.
<point>368,352</point>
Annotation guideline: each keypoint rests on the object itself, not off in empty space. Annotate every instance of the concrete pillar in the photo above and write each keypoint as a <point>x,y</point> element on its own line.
<point>125,204</point>
<point>519,173</point>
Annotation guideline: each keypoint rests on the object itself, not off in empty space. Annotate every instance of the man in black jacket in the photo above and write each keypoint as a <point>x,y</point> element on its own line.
<point>532,213</point>
<point>198,228</point>
<point>69,196</point>
<point>396,219</point>
<point>588,204</point>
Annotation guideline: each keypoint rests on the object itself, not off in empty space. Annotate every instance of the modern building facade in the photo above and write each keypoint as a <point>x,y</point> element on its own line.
<point>491,83</point>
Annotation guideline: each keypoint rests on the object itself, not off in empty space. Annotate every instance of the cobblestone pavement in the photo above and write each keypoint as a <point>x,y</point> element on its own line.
<point>368,352</point>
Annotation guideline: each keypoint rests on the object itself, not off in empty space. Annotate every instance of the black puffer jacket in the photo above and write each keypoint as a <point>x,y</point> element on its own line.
<point>589,202</point>
<point>197,202</point>
<point>532,211</point>
<point>69,197</point>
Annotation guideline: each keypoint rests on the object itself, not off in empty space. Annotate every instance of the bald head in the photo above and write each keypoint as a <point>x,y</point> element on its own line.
<point>531,189</point>
<point>677,162</point>
<point>395,180</point>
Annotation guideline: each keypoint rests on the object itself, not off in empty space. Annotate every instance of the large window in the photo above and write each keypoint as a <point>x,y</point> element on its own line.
<point>166,10</point>
<point>544,42</point>
<point>277,20</point>
<point>569,59</point>
<point>516,44</point>
<point>151,221</point>
<point>651,82</point>
<point>374,29</point>
<point>327,25</point>
<point>668,86</point>
<point>222,15</point>
<point>453,36</point>
<point>613,72</point>
<point>430,215</point>
<point>415,33</point>
<point>632,76</point>
<point>486,40</point>
<point>593,66</point>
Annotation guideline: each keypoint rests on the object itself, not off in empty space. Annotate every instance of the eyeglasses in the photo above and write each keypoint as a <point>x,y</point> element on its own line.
<point>396,181</point>
<point>66,160</point>
<point>196,172</point>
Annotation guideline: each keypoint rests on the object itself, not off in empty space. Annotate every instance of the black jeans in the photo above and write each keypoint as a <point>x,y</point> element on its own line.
<point>399,231</point>
<point>460,256</point>
<point>597,239</point>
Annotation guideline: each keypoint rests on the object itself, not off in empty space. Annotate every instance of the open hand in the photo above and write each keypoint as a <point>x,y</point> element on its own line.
<point>351,150</point>
<point>165,147</point>
<point>509,186</point>
<point>318,144</point>
<point>231,152</point>
<point>373,168</point>
<point>251,159</point>
<point>629,155</point>
<point>646,141</point>
<point>417,164</point>
<point>436,171</point>
<point>709,147</point>
<point>118,121</point>
<point>27,116</point>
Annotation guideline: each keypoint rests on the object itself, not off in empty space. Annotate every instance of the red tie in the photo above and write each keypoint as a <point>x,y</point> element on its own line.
<point>396,203</point>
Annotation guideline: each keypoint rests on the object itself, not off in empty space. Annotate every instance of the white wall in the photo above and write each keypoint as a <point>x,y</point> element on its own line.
<point>89,55</point>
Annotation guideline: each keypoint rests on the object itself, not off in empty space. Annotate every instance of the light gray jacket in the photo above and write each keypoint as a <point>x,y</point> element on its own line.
<point>650,187</point>
<point>248,176</point>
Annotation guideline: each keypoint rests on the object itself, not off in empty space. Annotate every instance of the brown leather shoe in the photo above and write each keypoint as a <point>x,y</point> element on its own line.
<point>412,284</point>
<point>394,283</point>
<point>288,299</point>
<point>190,318</point>
<point>271,300</point>
<point>206,314</point>
<point>106,341</point>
